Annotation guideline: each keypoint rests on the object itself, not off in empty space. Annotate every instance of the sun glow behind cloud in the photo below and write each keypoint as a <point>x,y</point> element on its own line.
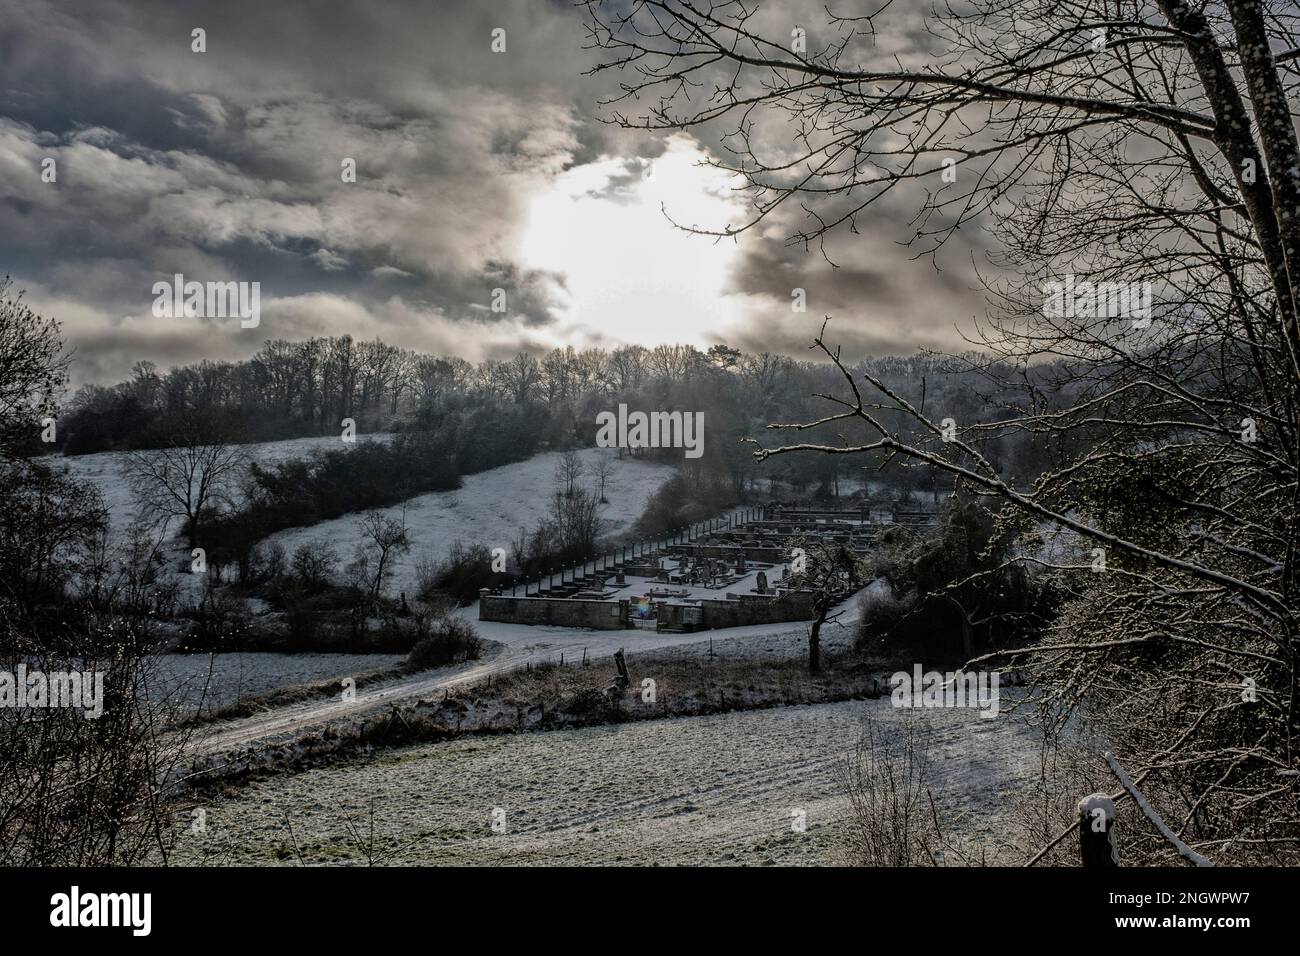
<point>630,274</point>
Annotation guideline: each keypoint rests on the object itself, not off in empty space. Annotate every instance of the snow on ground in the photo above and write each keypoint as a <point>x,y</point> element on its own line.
<point>216,681</point>
<point>719,789</point>
<point>490,509</point>
<point>109,470</point>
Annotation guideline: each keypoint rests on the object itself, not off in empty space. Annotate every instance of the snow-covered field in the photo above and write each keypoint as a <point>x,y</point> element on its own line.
<point>186,680</point>
<point>490,509</point>
<point>706,790</point>
<point>109,470</point>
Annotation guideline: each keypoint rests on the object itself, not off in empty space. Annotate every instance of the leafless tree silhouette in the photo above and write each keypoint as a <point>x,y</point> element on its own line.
<point>1118,143</point>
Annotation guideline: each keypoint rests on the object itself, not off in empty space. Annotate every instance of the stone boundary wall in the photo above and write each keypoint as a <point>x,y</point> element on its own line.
<point>564,612</point>
<point>750,609</point>
<point>754,609</point>
<point>613,615</point>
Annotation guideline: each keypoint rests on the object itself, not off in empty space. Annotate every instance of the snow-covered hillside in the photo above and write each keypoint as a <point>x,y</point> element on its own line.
<point>109,472</point>
<point>490,509</point>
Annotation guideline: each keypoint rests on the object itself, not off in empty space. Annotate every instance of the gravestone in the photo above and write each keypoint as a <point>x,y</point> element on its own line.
<point>762,582</point>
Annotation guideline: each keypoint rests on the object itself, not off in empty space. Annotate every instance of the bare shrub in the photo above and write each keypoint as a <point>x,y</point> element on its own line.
<point>219,623</point>
<point>314,563</point>
<point>466,570</point>
<point>78,790</point>
<point>426,571</point>
<point>894,819</point>
<point>273,560</point>
<point>442,640</point>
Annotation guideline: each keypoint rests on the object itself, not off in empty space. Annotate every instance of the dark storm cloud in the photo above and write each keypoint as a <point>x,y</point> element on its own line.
<point>882,295</point>
<point>772,269</point>
<point>226,165</point>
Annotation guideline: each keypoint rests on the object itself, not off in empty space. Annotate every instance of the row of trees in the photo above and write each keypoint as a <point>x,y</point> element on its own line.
<point>307,387</point>
<point>496,412</point>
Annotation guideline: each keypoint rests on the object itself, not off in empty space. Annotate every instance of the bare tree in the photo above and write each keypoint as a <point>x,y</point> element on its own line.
<point>568,471</point>
<point>385,538</point>
<point>573,523</point>
<point>603,470</point>
<point>80,785</point>
<point>829,570</point>
<point>1106,145</point>
<point>522,375</point>
<point>46,521</point>
<point>627,367</point>
<point>195,474</point>
<point>32,370</point>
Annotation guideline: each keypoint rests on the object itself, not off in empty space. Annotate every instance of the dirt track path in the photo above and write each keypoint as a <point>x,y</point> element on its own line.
<point>295,718</point>
<point>523,645</point>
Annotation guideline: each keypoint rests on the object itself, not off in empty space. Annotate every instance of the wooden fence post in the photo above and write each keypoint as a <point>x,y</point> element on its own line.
<point>1097,847</point>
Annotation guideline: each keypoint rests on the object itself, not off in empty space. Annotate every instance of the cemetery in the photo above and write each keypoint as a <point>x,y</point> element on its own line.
<point>727,572</point>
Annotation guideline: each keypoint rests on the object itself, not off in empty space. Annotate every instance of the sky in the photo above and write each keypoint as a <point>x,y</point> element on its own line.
<point>475,170</point>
